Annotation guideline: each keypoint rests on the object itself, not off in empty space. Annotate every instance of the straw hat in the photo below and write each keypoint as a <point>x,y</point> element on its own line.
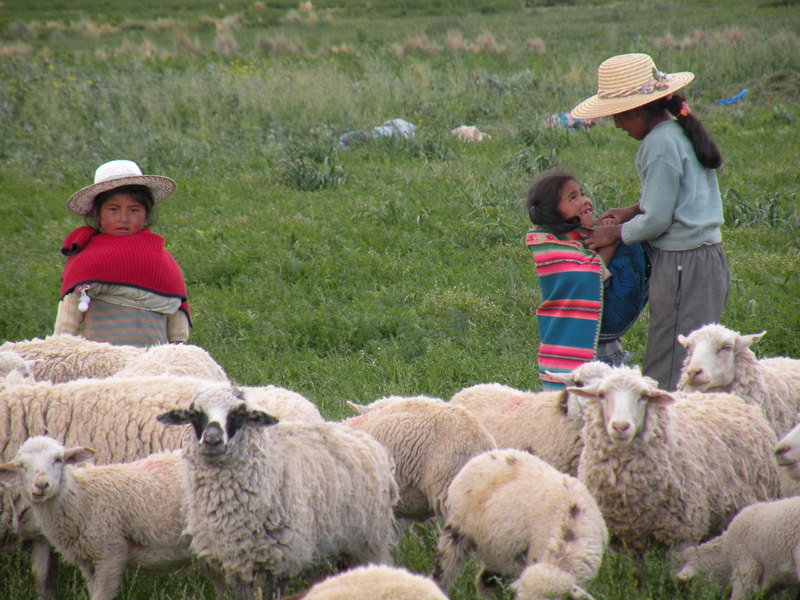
<point>114,174</point>
<point>628,81</point>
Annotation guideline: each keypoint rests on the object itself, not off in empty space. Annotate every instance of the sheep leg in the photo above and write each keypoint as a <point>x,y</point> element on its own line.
<point>107,578</point>
<point>45,570</point>
<point>451,552</point>
<point>745,579</point>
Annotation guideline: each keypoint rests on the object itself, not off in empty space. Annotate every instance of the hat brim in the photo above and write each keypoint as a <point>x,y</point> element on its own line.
<point>81,201</point>
<point>595,107</point>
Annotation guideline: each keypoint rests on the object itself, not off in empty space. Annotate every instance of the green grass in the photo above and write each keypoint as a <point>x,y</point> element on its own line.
<point>396,267</point>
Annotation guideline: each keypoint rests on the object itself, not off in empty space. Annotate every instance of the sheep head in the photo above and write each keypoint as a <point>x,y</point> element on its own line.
<point>624,396</point>
<point>39,463</point>
<point>711,357</point>
<point>787,453</point>
<point>218,414</point>
<point>542,581</point>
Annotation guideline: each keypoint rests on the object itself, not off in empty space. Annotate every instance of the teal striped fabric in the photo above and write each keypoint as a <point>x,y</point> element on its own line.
<point>122,325</point>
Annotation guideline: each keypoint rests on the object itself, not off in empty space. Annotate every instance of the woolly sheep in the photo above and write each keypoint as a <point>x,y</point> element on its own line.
<point>284,404</point>
<point>63,357</point>
<point>373,582</point>
<point>429,441</point>
<point>116,416</point>
<point>787,455</point>
<point>514,510</point>
<point>547,424</point>
<point>10,361</point>
<point>266,501</point>
<point>720,360</point>
<point>102,519</point>
<point>181,360</point>
<point>759,549</point>
<point>669,469</point>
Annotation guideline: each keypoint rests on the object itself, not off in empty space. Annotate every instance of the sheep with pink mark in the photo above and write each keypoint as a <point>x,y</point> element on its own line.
<point>547,424</point>
<point>668,469</point>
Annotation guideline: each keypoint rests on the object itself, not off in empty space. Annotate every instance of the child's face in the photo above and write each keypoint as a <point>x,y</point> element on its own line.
<point>122,215</point>
<point>572,203</point>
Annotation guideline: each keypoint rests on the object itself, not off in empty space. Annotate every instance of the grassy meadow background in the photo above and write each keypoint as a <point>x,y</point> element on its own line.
<point>398,266</point>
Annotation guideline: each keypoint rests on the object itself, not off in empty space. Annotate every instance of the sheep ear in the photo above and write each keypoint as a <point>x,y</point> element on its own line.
<point>656,396</point>
<point>745,341</point>
<point>590,391</point>
<point>683,340</point>
<point>74,456</point>
<point>687,571</point>
<point>179,416</point>
<point>579,593</point>
<point>357,408</point>
<point>260,418</point>
<point>8,471</point>
<point>565,378</point>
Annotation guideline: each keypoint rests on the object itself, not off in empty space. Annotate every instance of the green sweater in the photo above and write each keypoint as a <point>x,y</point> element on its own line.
<point>681,205</point>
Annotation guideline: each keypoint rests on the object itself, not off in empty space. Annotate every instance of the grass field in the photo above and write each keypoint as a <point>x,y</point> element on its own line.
<point>398,266</point>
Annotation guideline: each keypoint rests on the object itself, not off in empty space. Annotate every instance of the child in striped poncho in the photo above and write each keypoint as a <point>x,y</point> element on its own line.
<point>589,299</point>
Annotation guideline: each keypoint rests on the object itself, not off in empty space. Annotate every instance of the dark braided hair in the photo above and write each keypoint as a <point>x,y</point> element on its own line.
<point>543,196</point>
<point>140,193</point>
<point>704,147</point>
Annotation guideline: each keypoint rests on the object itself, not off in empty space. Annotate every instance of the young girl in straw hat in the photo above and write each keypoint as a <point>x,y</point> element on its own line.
<point>679,211</point>
<point>120,285</point>
<point>589,299</point>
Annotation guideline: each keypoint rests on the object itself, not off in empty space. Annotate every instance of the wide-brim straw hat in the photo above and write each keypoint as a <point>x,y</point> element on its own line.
<point>115,174</point>
<point>626,82</point>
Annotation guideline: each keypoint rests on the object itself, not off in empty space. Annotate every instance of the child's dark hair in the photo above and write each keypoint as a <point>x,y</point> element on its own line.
<point>140,193</point>
<point>543,197</point>
<point>704,147</point>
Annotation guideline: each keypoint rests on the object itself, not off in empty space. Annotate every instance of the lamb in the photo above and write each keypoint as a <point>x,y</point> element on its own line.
<point>518,513</point>
<point>669,469</point>
<point>429,441</point>
<point>720,360</point>
<point>286,405</point>
<point>266,501</point>
<point>116,416</point>
<point>759,549</point>
<point>12,362</point>
<point>63,357</point>
<point>547,424</point>
<point>373,582</point>
<point>102,519</point>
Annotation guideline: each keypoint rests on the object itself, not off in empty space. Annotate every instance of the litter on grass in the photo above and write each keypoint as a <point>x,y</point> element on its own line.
<point>469,133</point>
<point>565,121</point>
<point>734,99</point>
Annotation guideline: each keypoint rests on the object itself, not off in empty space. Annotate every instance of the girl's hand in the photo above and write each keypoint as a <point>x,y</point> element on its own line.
<point>604,235</point>
<point>621,215</point>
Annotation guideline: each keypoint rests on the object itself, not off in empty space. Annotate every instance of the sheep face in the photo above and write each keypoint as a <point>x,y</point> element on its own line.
<point>584,375</point>
<point>787,453</point>
<point>218,415</point>
<point>624,397</point>
<point>39,463</point>
<point>711,353</point>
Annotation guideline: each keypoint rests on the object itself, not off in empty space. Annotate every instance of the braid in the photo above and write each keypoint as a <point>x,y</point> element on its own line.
<point>704,147</point>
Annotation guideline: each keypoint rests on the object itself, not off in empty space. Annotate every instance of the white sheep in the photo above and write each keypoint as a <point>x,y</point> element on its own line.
<point>107,518</point>
<point>179,360</point>
<point>759,550</point>
<point>116,416</point>
<point>547,424</point>
<point>719,359</point>
<point>10,362</point>
<point>63,357</point>
<point>429,441</point>
<point>669,469</point>
<point>284,404</point>
<point>373,582</point>
<point>516,511</point>
<point>267,501</point>
<point>787,455</point>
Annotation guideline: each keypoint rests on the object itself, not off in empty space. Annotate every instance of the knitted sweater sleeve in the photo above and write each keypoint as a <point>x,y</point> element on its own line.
<point>68,317</point>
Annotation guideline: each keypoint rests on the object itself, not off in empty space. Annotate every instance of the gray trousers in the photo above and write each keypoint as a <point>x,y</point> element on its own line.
<point>688,289</point>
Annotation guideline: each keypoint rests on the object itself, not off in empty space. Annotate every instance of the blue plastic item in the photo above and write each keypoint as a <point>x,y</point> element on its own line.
<point>734,99</point>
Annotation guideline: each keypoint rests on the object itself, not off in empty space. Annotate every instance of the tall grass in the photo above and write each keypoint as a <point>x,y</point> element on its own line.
<point>395,267</point>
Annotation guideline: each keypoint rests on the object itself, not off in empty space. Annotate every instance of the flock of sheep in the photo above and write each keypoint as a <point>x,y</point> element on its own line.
<point>254,487</point>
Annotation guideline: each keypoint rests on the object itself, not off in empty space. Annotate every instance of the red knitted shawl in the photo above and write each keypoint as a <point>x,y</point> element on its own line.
<point>138,260</point>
